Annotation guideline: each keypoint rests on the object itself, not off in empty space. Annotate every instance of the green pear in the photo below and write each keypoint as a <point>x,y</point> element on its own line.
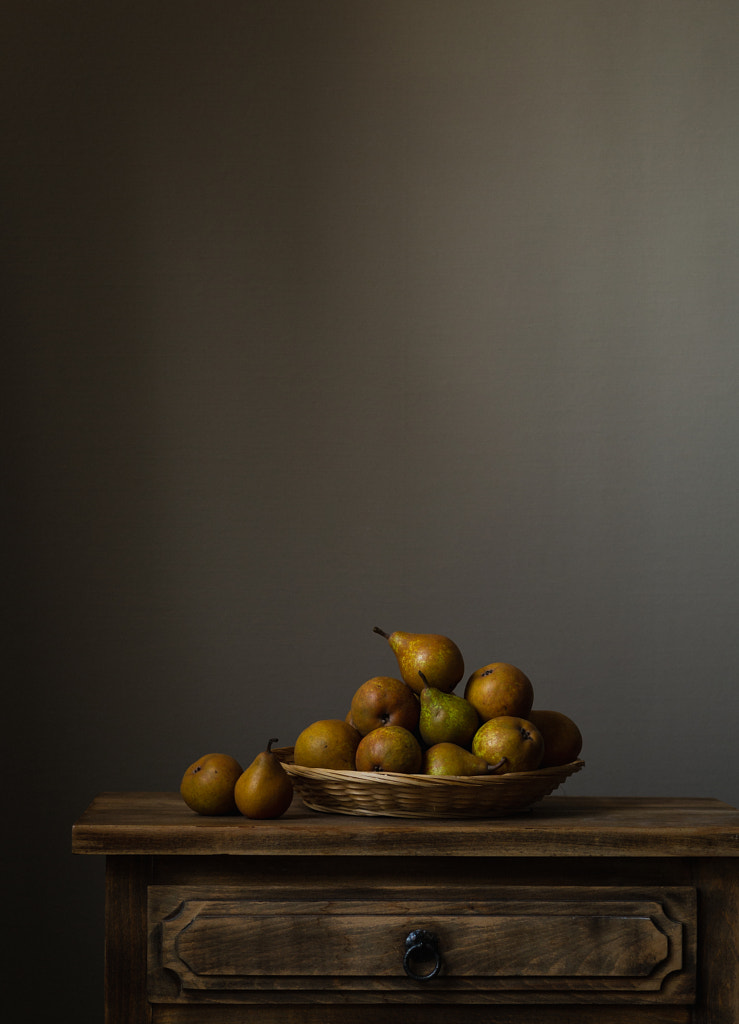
<point>445,717</point>
<point>264,790</point>
<point>451,759</point>
<point>436,656</point>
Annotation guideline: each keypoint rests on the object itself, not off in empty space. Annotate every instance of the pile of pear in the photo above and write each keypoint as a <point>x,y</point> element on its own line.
<point>416,724</point>
<point>411,724</point>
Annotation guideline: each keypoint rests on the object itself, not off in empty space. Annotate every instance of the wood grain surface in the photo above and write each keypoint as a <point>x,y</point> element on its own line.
<point>560,826</point>
<point>586,909</point>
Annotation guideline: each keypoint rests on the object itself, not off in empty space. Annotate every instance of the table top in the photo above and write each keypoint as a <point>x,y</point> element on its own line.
<point>158,824</point>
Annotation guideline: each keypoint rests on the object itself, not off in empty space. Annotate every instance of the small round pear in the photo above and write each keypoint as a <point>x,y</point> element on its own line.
<point>207,786</point>
<point>383,700</point>
<point>514,741</point>
<point>391,748</point>
<point>499,689</point>
<point>327,743</point>
<point>562,737</point>
<point>264,790</point>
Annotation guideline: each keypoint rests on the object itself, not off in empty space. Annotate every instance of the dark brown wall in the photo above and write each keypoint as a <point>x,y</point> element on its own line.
<point>322,315</point>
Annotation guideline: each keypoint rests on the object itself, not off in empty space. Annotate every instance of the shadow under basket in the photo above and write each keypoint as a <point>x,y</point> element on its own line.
<point>422,796</point>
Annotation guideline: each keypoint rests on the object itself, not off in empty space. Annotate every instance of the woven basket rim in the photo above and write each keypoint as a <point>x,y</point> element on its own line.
<point>369,778</point>
<point>396,794</point>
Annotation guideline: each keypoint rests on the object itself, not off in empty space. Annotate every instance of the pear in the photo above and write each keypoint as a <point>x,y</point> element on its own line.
<point>436,656</point>
<point>451,759</point>
<point>515,742</point>
<point>384,701</point>
<point>499,689</point>
<point>562,737</point>
<point>391,748</point>
<point>445,717</point>
<point>328,743</point>
<point>208,784</point>
<point>264,790</point>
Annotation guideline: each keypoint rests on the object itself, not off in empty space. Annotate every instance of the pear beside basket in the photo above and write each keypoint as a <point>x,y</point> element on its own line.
<point>422,796</point>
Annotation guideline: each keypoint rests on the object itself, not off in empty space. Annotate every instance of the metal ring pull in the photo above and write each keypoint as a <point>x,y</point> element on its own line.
<point>421,946</point>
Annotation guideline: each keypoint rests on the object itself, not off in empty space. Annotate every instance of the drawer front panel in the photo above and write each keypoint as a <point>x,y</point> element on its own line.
<point>592,943</point>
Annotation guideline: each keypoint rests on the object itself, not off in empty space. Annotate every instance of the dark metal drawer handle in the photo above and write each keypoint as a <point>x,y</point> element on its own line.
<point>422,947</point>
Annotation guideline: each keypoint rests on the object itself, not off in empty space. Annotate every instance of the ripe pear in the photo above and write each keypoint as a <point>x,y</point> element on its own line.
<point>328,743</point>
<point>562,737</point>
<point>445,717</point>
<point>383,700</point>
<point>436,656</point>
<point>391,748</point>
<point>207,786</point>
<point>264,790</point>
<point>514,741</point>
<point>451,759</point>
<point>499,689</point>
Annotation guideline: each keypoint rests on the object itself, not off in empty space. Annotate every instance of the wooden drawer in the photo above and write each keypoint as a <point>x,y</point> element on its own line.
<point>519,944</point>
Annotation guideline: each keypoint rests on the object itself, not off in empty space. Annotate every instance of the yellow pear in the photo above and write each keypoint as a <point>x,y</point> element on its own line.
<point>391,748</point>
<point>327,743</point>
<point>450,759</point>
<point>436,656</point>
<point>509,743</point>
<point>499,689</point>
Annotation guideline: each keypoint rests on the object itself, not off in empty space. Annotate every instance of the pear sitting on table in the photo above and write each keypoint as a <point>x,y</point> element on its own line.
<point>264,790</point>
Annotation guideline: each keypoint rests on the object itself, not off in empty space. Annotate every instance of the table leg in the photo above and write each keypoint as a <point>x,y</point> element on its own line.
<point>126,879</point>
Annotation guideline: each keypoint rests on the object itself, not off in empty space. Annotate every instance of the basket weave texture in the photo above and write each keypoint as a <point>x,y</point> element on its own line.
<point>422,796</point>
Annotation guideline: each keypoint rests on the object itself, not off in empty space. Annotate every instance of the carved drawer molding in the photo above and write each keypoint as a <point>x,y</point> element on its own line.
<point>516,944</point>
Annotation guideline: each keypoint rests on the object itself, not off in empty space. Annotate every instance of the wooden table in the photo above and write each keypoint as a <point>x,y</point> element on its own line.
<point>579,910</point>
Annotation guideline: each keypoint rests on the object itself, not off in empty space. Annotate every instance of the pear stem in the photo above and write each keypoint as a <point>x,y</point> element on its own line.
<point>382,632</point>
<point>269,745</point>
<point>426,683</point>
<point>495,767</point>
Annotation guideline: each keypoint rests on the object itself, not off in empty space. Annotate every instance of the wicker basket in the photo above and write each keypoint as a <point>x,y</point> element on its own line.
<point>422,796</point>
